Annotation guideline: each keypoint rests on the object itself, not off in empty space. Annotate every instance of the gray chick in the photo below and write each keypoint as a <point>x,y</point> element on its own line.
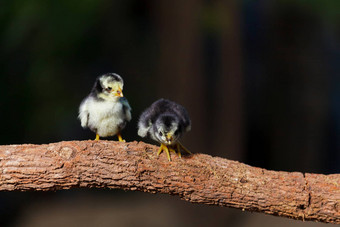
<point>105,111</point>
<point>165,122</point>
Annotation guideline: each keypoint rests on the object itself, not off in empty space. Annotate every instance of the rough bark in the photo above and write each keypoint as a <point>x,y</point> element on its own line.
<point>197,178</point>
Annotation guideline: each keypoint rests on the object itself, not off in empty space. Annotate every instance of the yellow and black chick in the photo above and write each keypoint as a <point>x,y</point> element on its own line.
<point>105,110</point>
<point>165,122</point>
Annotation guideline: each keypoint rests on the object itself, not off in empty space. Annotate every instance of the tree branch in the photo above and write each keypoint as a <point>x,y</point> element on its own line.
<point>198,178</point>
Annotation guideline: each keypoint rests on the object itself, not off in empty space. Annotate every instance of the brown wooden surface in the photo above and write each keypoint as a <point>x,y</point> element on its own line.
<point>198,178</point>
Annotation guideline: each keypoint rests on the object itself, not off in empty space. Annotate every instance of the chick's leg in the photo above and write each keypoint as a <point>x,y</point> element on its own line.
<point>97,137</point>
<point>172,150</point>
<point>164,148</point>
<point>179,150</point>
<point>120,137</point>
<point>180,146</point>
<point>176,150</point>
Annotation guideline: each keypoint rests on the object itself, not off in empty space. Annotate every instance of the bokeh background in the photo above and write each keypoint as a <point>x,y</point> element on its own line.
<point>260,80</point>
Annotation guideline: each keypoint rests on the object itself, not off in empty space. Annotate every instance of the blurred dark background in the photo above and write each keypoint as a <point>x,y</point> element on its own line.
<point>260,80</point>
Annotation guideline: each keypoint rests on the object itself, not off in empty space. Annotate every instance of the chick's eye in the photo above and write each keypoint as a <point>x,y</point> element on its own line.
<point>109,88</point>
<point>160,133</point>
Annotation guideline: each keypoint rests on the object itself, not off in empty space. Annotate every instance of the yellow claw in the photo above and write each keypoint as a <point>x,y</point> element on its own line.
<point>179,150</point>
<point>176,150</point>
<point>172,150</point>
<point>164,148</point>
<point>97,137</point>
<point>120,138</point>
<point>179,146</point>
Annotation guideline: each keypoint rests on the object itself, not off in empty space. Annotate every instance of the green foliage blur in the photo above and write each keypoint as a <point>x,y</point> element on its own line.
<point>51,53</point>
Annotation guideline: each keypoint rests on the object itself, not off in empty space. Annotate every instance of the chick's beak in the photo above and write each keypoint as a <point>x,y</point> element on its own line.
<point>119,92</point>
<point>169,138</point>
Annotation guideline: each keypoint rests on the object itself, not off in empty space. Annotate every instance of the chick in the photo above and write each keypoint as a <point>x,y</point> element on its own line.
<point>105,111</point>
<point>165,122</point>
